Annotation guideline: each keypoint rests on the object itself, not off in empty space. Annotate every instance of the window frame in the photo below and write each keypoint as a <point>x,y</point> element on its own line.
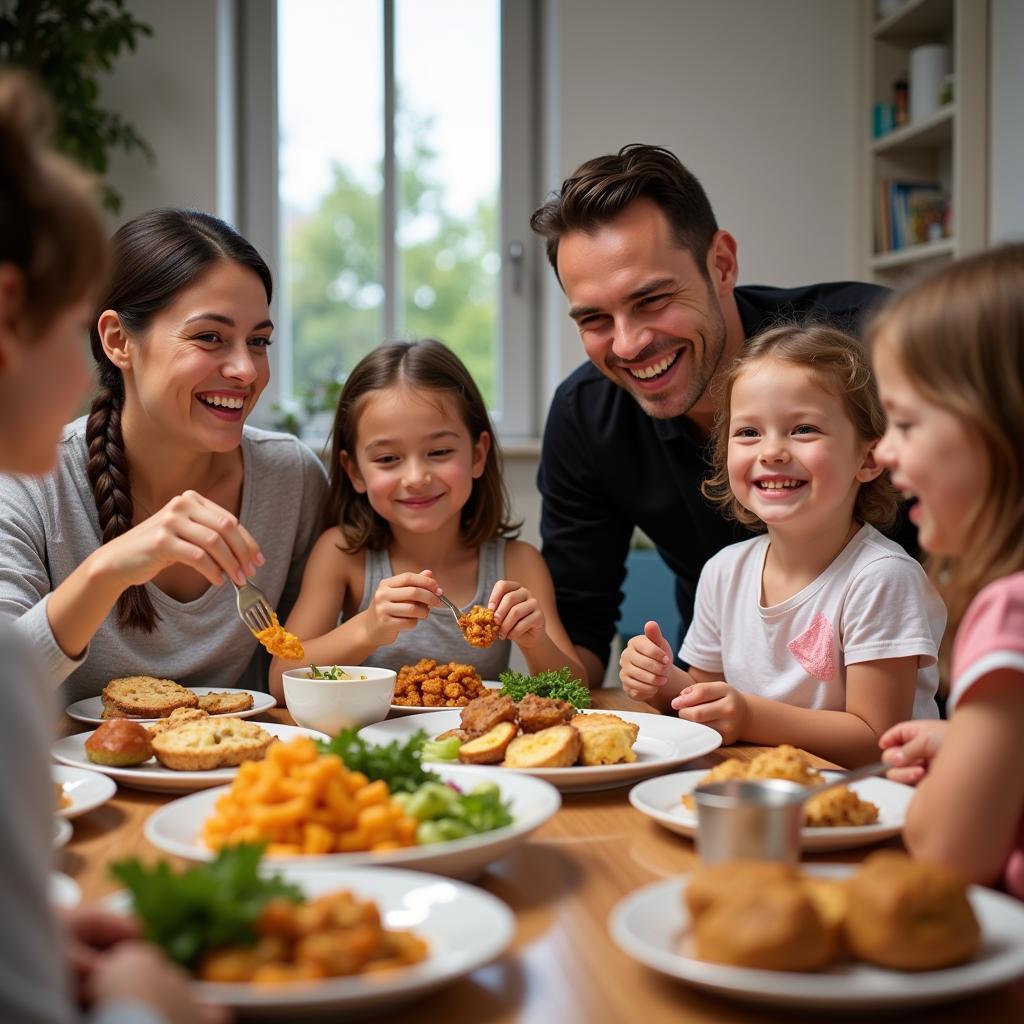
<point>255,206</point>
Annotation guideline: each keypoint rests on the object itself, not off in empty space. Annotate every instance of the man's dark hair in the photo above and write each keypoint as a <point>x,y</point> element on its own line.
<point>600,189</point>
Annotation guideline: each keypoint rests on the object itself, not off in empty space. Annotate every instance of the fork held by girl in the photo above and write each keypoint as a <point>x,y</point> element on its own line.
<point>415,480</point>
<point>821,632</point>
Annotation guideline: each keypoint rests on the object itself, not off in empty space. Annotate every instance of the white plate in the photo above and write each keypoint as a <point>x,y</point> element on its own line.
<point>90,709</point>
<point>176,827</point>
<point>417,709</point>
<point>64,891</point>
<point>61,832</point>
<point>651,925</point>
<point>663,742</point>
<point>662,800</point>
<point>151,775</point>
<point>85,788</point>
<point>464,927</point>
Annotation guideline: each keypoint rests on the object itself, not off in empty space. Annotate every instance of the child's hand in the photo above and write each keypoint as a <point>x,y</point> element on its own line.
<point>400,603</point>
<point>718,705</point>
<point>644,663</point>
<point>518,614</point>
<point>910,748</point>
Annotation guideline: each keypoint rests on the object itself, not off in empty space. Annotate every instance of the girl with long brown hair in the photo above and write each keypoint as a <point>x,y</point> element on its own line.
<point>415,481</point>
<point>949,354</point>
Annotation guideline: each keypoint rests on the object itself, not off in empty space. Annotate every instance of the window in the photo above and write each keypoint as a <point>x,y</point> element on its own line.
<point>402,192</point>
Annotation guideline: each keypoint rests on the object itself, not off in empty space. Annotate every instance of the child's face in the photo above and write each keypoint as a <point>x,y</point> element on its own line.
<point>931,458</point>
<point>414,459</point>
<point>795,459</point>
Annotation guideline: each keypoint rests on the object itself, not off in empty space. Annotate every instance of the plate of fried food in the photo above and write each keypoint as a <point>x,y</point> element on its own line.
<point>188,750</point>
<point>430,685</point>
<point>349,803</point>
<point>148,699</point>
<point>889,933</point>
<point>287,943</point>
<point>550,739</point>
<point>866,812</point>
<point>80,790</point>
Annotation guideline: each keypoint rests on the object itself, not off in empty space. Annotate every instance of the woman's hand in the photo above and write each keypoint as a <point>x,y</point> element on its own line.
<point>644,664</point>
<point>718,705</point>
<point>518,614</point>
<point>910,747</point>
<point>400,603</point>
<point>189,530</point>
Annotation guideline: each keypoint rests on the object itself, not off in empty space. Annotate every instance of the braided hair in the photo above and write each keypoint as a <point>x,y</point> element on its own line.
<point>156,256</point>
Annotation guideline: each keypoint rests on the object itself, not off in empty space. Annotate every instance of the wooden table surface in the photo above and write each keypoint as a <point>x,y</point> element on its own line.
<point>562,884</point>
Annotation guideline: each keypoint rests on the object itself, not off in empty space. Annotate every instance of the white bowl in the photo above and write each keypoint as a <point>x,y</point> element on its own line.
<point>333,704</point>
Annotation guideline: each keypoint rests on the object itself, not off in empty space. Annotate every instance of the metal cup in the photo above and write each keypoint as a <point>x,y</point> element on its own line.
<point>757,820</point>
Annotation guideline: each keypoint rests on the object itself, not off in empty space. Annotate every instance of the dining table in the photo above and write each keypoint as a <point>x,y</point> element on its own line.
<point>561,884</point>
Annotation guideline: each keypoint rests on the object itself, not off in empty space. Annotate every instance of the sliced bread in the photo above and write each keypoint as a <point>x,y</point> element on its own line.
<point>146,697</point>
<point>209,743</point>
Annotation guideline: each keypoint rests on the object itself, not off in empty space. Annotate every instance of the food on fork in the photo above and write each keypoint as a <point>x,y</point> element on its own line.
<point>910,915</point>
<point>225,702</point>
<point>489,747</point>
<point>208,743</point>
<point>558,746</point>
<point>119,743</point>
<point>429,684</point>
<point>835,808</point>
<point>144,697</point>
<point>279,642</point>
<point>478,626</point>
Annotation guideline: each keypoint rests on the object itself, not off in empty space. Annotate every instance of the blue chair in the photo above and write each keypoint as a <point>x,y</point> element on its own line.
<point>649,593</point>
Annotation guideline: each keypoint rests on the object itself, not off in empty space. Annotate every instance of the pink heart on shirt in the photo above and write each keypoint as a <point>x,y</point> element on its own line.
<point>815,648</point>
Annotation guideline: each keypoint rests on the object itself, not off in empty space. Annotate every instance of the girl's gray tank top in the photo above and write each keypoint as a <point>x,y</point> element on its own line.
<point>437,636</point>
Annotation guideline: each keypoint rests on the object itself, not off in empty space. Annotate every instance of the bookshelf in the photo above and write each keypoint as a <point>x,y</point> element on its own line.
<point>912,172</point>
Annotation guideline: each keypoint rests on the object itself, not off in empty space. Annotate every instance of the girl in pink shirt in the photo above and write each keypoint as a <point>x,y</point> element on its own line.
<point>949,356</point>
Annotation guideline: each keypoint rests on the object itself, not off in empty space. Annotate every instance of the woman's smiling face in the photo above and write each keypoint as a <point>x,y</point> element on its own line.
<point>203,362</point>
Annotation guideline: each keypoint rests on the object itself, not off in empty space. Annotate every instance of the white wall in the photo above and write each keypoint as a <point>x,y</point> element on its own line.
<point>1006,122</point>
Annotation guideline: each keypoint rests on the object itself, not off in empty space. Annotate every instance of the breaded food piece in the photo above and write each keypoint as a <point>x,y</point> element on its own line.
<point>709,884</point>
<point>279,642</point>
<point>146,697</point>
<point>556,747</point>
<point>210,743</point>
<point>225,702</point>
<point>179,716</point>
<point>606,739</point>
<point>478,626</point>
<point>537,713</point>
<point>459,734</point>
<point>428,684</point>
<point>120,743</point>
<point>728,771</point>
<point>830,897</point>
<point>784,762</point>
<point>839,807</point>
<point>490,747</point>
<point>910,915</point>
<point>484,713</point>
<point>773,928</point>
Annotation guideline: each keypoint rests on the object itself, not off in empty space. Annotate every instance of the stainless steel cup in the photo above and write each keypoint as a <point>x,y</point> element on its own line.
<point>758,820</point>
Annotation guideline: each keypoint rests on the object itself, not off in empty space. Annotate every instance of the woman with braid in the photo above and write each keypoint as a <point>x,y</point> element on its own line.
<point>121,561</point>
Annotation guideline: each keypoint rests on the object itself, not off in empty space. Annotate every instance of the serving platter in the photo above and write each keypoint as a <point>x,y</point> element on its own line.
<point>661,799</point>
<point>465,928</point>
<point>85,788</point>
<point>662,743</point>
<point>652,925</point>
<point>176,828</point>
<point>151,775</point>
<point>90,709</point>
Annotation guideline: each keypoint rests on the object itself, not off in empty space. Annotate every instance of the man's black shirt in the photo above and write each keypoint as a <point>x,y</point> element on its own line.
<point>606,467</point>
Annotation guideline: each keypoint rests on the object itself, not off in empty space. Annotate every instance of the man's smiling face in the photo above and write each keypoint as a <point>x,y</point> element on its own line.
<point>648,317</point>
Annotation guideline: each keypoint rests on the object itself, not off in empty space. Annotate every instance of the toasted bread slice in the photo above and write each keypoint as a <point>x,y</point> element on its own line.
<point>179,716</point>
<point>146,697</point>
<point>607,739</point>
<point>490,747</point>
<point>209,743</point>
<point>225,702</point>
<point>555,747</point>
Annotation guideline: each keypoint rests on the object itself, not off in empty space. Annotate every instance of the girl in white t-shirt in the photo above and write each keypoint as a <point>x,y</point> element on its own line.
<point>820,632</point>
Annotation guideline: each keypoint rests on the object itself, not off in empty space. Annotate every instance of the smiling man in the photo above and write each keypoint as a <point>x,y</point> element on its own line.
<point>651,283</point>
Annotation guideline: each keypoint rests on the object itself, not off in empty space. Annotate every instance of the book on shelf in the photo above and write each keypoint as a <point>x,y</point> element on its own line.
<point>910,213</point>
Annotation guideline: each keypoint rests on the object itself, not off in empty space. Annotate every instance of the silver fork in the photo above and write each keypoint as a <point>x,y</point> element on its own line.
<point>253,607</point>
<point>454,609</point>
